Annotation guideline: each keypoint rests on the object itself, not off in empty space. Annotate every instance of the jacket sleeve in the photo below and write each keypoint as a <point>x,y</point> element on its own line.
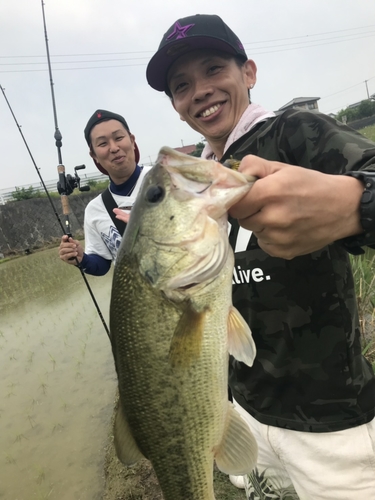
<point>95,265</point>
<point>314,140</point>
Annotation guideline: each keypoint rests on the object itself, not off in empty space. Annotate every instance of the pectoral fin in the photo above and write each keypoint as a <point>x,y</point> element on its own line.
<point>240,341</point>
<point>125,445</point>
<point>186,342</point>
<point>238,450</point>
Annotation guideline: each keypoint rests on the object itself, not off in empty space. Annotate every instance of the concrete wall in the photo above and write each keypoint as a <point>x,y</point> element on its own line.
<point>30,224</point>
<point>364,122</point>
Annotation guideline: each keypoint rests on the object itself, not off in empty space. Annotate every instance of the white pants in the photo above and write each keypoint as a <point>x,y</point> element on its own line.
<point>320,466</point>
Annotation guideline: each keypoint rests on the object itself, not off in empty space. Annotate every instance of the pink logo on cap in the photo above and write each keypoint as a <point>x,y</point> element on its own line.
<point>180,31</point>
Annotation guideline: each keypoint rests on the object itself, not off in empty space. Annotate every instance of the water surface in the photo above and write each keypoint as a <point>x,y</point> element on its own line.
<point>57,381</point>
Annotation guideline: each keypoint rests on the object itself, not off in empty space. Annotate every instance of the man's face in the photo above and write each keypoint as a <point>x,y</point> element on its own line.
<point>210,92</point>
<point>113,147</point>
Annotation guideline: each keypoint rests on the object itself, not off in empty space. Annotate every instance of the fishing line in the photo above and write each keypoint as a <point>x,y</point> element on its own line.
<point>64,228</point>
<point>65,186</point>
<point>32,159</point>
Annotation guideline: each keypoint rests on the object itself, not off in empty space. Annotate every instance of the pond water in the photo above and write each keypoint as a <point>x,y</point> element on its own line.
<point>58,381</point>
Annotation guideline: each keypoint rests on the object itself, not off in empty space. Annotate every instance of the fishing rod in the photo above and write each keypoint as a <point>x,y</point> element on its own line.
<point>67,184</point>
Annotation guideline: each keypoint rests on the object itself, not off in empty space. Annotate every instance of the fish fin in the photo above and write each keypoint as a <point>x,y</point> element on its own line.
<point>126,448</point>
<point>240,341</point>
<point>238,450</point>
<point>187,338</point>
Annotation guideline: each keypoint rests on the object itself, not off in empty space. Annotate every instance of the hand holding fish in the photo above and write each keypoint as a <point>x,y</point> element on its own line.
<point>121,215</point>
<point>295,211</point>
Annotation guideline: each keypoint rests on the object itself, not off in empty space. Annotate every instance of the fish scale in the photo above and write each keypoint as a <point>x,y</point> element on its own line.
<point>167,389</point>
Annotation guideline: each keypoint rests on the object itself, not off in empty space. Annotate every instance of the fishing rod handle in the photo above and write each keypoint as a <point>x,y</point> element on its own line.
<point>65,204</point>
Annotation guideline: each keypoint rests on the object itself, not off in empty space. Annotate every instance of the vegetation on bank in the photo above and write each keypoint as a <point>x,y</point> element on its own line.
<point>369,132</point>
<point>363,270</point>
<point>363,110</point>
<point>30,192</point>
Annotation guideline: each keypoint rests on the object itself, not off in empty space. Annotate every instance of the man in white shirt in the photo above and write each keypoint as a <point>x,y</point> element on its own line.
<point>115,153</point>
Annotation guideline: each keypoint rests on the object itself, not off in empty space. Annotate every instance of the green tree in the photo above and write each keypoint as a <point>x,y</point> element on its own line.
<point>198,150</point>
<point>365,109</point>
<point>92,183</point>
<point>25,194</point>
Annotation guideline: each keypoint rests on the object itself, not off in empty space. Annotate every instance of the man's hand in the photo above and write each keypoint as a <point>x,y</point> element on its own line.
<point>70,250</point>
<point>295,211</point>
<point>121,215</point>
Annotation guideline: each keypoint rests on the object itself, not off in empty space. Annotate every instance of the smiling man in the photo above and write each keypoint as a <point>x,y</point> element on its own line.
<point>190,80</point>
<point>115,153</point>
<point>309,398</point>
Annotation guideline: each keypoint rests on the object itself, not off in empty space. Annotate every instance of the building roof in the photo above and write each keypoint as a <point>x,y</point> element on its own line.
<point>299,100</point>
<point>186,149</point>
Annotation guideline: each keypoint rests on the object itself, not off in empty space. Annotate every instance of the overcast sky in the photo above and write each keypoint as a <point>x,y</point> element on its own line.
<point>320,48</point>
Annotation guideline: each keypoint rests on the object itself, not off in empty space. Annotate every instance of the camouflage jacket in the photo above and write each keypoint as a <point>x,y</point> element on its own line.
<point>309,373</point>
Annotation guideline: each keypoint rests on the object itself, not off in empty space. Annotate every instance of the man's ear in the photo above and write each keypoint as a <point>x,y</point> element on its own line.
<point>250,69</point>
<point>174,107</point>
<point>92,154</point>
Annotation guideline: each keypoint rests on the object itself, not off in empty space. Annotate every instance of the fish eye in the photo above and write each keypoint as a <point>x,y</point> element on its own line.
<point>155,194</point>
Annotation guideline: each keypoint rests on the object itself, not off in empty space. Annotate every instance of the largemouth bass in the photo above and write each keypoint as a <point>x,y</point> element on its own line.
<point>173,326</point>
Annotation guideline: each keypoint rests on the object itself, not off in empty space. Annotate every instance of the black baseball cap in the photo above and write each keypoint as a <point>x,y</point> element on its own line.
<point>102,115</point>
<point>189,33</point>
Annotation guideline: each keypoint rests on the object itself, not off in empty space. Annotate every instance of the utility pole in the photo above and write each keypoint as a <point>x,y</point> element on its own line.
<point>368,95</point>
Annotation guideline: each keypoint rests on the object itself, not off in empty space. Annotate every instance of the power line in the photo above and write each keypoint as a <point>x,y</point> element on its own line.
<point>86,54</point>
<point>307,46</point>
<point>246,43</point>
<point>144,64</point>
<point>372,33</point>
<point>316,34</point>
<point>74,62</point>
<point>70,69</point>
<point>348,88</point>
<point>345,39</point>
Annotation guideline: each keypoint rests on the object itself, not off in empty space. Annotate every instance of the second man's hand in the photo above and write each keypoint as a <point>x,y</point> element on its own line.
<point>70,251</point>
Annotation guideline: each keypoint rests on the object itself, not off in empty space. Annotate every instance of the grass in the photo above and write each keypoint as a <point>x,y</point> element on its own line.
<point>368,132</point>
<point>363,266</point>
<point>224,488</point>
<point>364,277</point>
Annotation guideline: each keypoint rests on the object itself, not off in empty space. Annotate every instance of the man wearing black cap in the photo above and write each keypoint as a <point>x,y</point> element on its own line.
<point>309,398</point>
<point>115,153</point>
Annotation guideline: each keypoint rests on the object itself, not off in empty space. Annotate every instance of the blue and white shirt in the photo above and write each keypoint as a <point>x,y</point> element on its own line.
<point>102,239</point>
